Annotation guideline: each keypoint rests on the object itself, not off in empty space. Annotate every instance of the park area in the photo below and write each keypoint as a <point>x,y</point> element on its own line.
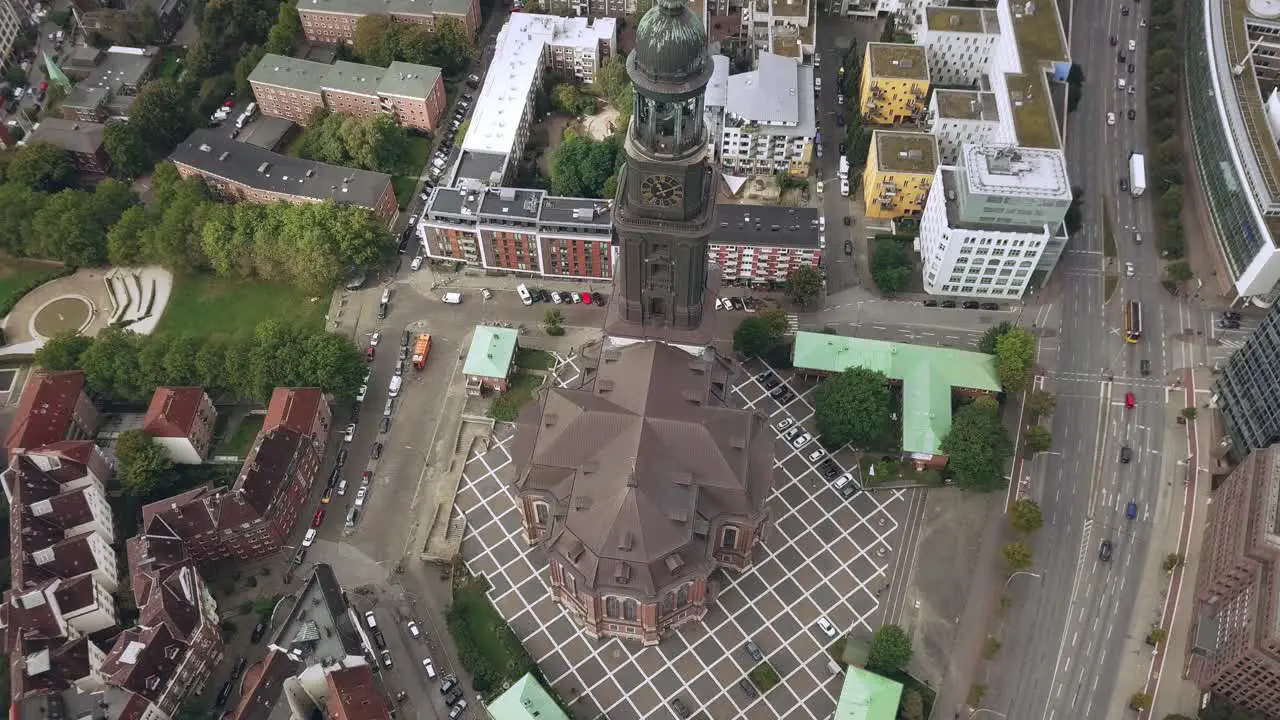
<point>219,309</point>
<point>19,276</point>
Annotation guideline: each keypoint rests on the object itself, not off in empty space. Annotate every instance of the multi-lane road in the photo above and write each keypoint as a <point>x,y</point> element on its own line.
<point>1072,623</point>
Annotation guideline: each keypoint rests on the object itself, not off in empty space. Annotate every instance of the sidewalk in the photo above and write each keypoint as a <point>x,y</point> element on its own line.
<point>1180,520</point>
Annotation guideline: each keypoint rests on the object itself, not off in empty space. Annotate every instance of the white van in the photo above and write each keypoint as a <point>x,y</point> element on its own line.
<point>240,121</point>
<point>253,108</point>
<point>394,390</point>
<point>452,298</point>
<point>342,487</point>
<point>386,296</point>
<point>523,292</point>
<point>1120,83</point>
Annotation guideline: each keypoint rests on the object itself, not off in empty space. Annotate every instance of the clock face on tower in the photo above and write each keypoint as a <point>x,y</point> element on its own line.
<point>662,191</point>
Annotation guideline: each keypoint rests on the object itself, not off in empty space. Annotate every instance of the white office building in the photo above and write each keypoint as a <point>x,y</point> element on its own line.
<point>781,27</point>
<point>993,220</point>
<point>957,117</point>
<point>959,42</point>
<point>767,124</point>
<point>525,48</point>
<point>11,23</point>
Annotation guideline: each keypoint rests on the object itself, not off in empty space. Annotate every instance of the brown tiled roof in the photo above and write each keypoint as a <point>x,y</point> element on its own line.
<point>41,512</point>
<point>293,408</point>
<point>262,684</point>
<point>641,462</point>
<point>45,409</point>
<point>68,661</point>
<point>266,472</point>
<point>172,412</point>
<point>143,660</point>
<point>148,555</point>
<point>353,695</point>
<point>74,594</point>
<point>185,515</point>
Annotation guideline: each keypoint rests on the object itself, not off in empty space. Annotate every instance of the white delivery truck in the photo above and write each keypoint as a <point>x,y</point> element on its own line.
<point>452,298</point>
<point>1137,174</point>
<point>844,167</point>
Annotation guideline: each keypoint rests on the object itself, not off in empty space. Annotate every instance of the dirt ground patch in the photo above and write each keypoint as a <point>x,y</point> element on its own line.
<point>950,536</point>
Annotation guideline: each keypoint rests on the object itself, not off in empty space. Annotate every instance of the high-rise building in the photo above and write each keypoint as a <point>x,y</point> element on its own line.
<point>895,83</point>
<point>1234,644</point>
<point>11,25</point>
<point>1245,391</point>
<point>899,173</point>
<point>959,43</point>
<point>767,122</point>
<point>993,220</point>
<point>645,479</point>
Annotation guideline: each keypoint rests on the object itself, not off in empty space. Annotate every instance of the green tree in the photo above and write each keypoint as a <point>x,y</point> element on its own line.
<point>372,40</point>
<point>890,650</point>
<point>612,81</point>
<point>1037,439</point>
<point>1017,555</point>
<point>19,205</point>
<point>245,65</point>
<point>1140,701</point>
<point>40,166</point>
<point>851,407</point>
<point>1170,202</point>
<point>1178,272</point>
<point>987,343</point>
<point>285,34</point>
<point>163,115</point>
<point>756,336</point>
<point>891,265</point>
<point>1041,403</point>
<point>804,286</point>
<point>580,166</point>
<point>72,226</point>
<point>142,465</point>
<point>1015,354</point>
<point>977,447</point>
<point>569,99</point>
<point>110,365</point>
<point>124,144</point>
<point>63,351</point>
<point>1025,516</point>
<point>453,46</point>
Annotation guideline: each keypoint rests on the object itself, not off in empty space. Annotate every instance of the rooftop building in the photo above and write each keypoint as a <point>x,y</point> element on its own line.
<point>53,406</point>
<point>957,117</point>
<point>526,699</point>
<point>1235,632</point>
<point>81,140</point>
<point>768,120</point>
<point>181,420</point>
<point>895,83</point>
<point>781,27</point>
<point>249,172</point>
<point>334,21</point>
<point>112,84</point>
<point>867,696</point>
<point>1245,391</point>
<point>929,376</point>
<point>899,172</point>
<point>526,46</point>
<point>960,43</point>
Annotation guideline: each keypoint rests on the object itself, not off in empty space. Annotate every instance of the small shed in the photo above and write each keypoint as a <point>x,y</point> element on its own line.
<point>491,358</point>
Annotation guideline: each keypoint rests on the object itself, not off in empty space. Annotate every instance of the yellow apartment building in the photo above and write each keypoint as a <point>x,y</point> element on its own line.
<point>895,83</point>
<point>899,173</point>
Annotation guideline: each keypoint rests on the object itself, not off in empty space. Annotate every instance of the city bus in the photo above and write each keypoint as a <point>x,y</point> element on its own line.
<point>1133,322</point>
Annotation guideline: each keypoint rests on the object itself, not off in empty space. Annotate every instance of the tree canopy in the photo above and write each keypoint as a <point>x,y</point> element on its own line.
<point>1025,516</point>
<point>804,286</point>
<point>760,333</point>
<point>372,143</point>
<point>121,365</point>
<point>852,407</point>
<point>890,650</point>
<point>141,463</point>
<point>1017,555</point>
<point>40,166</point>
<point>378,41</point>
<point>977,447</point>
<point>891,265</point>
<point>1015,356</point>
<point>569,99</point>
<point>585,167</point>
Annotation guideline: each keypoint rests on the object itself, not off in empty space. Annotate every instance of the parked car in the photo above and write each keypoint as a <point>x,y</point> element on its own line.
<point>453,696</point>
<point>597,298</point>
<point>370,620</point>
<point>342,457</point>
<point>238,668</point>
<point>413,630</point>
<point>318,519</point>
<point>458,709</point>
<point>970,305</point>
<point>447,683</point>
<point>845,486</point>
<point>1130,402</point>
<point>679,708</point>
<point>416,263</point>
<point>816,455</point>
<point>801,441</point>
<point>748,688</point>
<point>784,423</point>
<point>350,433</point>
<point>754,651</point>
<point>224,694</point>
<point>379,640</point>
<point>826,627</point>
<point>310,538</point>
<point>384,424</point>
<point>258,631</point>
<point>429,668</point>
<point>386,659</point>
<point>375,450</point>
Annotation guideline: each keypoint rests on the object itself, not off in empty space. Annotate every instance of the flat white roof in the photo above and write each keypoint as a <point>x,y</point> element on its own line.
<point>517,60</point>
<point>1015,171</point>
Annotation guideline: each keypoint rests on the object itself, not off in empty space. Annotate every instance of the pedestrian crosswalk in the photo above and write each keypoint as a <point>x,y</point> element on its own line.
<point>793,323</point>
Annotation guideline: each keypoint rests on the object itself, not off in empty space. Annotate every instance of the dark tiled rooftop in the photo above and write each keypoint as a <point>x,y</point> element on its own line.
<point>766,225</point>
<point>511,202</point>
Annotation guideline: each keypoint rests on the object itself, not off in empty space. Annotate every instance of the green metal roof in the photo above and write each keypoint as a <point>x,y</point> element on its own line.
<point>492,351</point>
<point>526,700</point>
<point>867,696</point>
<point>927,374</point>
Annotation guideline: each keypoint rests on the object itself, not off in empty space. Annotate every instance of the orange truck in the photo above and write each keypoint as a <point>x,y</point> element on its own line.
<point>421,348</point>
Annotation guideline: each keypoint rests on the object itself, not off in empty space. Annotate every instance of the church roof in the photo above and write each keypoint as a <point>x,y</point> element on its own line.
<point>671,44</point>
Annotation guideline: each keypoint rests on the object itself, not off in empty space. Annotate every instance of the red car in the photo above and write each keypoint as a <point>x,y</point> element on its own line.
<point>1130,402</point>
<point>368,354</point>
<point>44,86</point>
<point>365,477</point>
<point>586,298</point>
<point>319,518</point>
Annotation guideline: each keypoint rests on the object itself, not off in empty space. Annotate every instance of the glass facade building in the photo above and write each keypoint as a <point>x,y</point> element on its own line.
<point>1220,140</point>
<point>1248,390</point>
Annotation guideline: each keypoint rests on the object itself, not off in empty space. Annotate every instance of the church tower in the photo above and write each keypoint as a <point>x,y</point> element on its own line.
<point>663,213</point>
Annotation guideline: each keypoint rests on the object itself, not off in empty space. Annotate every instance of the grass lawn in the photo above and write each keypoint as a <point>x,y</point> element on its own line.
<point>506,406</point>
<point>764,677</point>
<point>170,65</point>
<point>487,647</point>
<point>223,309</point>
<point>415,161</point>
<point>16,274</point>
<point>239,443</point>
<point>530,359</point>
<point>895,471</point>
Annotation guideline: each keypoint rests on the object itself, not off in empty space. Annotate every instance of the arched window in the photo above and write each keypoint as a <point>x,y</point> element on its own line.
<point>669,602</point>
<point>611,607</point>
<point>729,537</point>
<point>682,596</point>
<point>630,610</point>
<point>540,513</point>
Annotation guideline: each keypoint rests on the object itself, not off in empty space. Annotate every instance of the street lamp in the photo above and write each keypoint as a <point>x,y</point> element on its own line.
<point>1022,573</point>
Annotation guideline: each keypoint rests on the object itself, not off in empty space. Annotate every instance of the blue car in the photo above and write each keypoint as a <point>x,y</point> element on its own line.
<point>1131,510</point>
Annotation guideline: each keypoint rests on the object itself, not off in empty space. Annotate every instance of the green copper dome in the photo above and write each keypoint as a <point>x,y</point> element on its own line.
<point>671,43</point>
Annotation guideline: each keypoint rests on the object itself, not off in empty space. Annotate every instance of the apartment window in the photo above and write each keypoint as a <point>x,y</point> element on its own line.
<point>729,537</point>
<point>540,513</point>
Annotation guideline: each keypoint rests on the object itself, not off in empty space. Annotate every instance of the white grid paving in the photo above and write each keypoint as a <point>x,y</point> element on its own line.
<point>822,555</point>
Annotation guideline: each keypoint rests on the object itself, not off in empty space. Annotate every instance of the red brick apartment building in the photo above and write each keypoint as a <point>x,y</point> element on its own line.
<point>515,230</point>
<point>82,141</point>
<point>334,21</point>
<point>53,407</point>
<point>181,420</point>
<point>243,171</point>
<point>1234,647</point>
<point>293,89</point>
<point>253,517</point>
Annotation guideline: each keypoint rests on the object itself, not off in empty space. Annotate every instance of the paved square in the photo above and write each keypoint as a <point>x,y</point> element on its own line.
<point>822,556</point>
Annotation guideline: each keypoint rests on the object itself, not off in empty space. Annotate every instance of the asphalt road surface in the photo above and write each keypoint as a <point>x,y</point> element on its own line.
<point>1071,623</point>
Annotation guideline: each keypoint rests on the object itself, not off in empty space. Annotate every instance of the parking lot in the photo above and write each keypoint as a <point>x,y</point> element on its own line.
<point>824,555</point>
